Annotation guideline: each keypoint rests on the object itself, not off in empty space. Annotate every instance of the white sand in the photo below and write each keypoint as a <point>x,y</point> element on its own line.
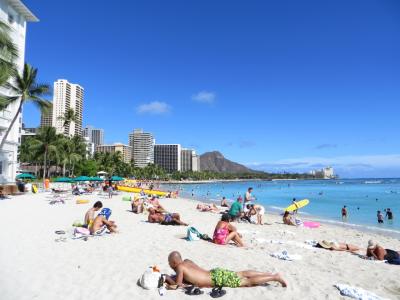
<point>34,266</point>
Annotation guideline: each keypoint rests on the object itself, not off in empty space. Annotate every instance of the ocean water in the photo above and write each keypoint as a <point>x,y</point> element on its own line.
<point>363,197</point>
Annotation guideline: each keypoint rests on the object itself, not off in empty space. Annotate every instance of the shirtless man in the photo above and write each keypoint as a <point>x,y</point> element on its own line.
<point>89,216</point>
<point>101,223</point>
<point>187,272</point>
<point>156,216</point>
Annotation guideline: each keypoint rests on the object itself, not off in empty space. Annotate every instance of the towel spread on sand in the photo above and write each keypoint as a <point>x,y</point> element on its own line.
<point>356,292</point>
<point>284,255</point>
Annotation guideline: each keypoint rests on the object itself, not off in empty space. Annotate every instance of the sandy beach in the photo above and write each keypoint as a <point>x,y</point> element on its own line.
<point>35,266</point>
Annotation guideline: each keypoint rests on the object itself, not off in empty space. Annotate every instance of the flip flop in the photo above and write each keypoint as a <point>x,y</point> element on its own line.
<point>59,232</point>
<point>217,292</point>
<point>193,291</point>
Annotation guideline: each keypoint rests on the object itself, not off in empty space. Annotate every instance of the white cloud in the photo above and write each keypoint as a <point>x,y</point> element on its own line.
<point>204,97</point>
<point>154,108</point>
<point>350,165</point>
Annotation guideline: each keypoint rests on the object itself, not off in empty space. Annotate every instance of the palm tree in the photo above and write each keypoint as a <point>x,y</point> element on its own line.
<point>26,89</point>
<point>45,143</point>
<point>69,117</point>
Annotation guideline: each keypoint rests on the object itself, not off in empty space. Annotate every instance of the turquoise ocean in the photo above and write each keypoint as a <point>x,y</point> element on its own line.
<point>363,198</point>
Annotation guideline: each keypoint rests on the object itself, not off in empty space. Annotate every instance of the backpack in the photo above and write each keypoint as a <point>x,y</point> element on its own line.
<point>151,279</point>
<point>193,234</point>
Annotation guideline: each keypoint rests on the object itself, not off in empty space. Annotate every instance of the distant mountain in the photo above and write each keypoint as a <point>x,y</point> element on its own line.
<point>216,162</point>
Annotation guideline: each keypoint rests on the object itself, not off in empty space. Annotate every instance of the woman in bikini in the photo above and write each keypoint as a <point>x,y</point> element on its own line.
<point>224,233</point>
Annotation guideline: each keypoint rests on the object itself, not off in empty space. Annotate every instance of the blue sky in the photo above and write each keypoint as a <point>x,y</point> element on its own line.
<point>277,85</point>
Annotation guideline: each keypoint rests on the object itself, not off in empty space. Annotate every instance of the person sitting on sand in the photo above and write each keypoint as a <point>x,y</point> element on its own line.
<point>376,251</point>
<point>153,201</point>
<point>187,272</point>
<point>224,202</point>
<point>137,205</point>
<point>236,210</point>
<point>287,219</point>
<point>205,207</point>
<point>101,223</point>
<point>89,216</point>
<point>255,214</point>
<point>225,232</point>
<point>156,216</point>
<point>335,246</point>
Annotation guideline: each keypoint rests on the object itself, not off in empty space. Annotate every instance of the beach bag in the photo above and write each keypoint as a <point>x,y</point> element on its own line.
<point>192,234</point>
<point>151,279</point>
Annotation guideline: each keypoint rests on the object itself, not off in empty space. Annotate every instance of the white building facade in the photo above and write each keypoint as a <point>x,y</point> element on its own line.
<point>142,144</point>
<point>168,157</point>
<point>16,15</point>
<point>67,96</point>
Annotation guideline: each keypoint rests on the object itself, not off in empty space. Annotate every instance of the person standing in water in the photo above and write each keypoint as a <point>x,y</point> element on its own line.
<point>389,215</point>
<point>344,213</point>
<point>248,197</point>
<point>380,217</point>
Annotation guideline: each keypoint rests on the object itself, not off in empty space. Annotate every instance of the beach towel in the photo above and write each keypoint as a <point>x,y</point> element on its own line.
<point>284,255</point>
<point>193,234</point>
<point>356,292</point>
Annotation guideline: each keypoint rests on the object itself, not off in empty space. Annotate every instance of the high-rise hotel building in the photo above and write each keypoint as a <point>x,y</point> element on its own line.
<point>125,150</point>
<point>16,15</point>
<point>190,161</point>
<point>95,135</point>
<point>142,144</point>
<point>168,157</point>
<point>67,96</point>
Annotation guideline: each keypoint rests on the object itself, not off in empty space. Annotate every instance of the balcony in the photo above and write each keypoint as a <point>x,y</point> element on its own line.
<point>5,119</point>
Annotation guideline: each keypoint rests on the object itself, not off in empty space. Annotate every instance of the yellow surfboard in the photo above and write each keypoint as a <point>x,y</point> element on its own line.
<point>299,204</point>
<point>82,201</point>
<point>137,190</point>
<point>34,188</point>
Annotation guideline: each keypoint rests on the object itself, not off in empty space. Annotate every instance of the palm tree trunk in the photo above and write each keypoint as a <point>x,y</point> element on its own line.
<point>44,166</point>
<point>63,169</point>
<point>12,124</point>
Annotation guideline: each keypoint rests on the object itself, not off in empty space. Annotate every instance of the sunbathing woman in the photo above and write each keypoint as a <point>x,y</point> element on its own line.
<point>337,246</point>
<point>379,253</point>
<point>204,207</point>
<point>224,233</point>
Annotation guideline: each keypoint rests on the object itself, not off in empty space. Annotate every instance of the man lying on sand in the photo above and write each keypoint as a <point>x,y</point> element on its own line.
<point>101,223</point>
<point>156,216</point>
<point>89,216</point>
<point>337,246</point>
<point>187,272</point>
<point>379,253</point>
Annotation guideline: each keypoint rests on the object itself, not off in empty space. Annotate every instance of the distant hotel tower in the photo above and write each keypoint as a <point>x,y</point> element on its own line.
<point>95,135</point>
<point>168,157</point>
<point>142,144</point>
<point>190,161</point>
<point>67,95</point>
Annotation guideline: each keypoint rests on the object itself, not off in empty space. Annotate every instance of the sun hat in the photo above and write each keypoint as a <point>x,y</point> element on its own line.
<point>325,244</point>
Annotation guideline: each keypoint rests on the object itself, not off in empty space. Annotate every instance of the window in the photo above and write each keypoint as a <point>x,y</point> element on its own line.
<point>1,167</point>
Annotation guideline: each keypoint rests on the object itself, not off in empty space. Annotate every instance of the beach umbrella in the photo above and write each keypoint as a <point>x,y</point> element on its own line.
<point>95,179</point>
<point>82,178</point>
<point>25,176</point>
<point>116,178</point>
<point>64,179</point>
